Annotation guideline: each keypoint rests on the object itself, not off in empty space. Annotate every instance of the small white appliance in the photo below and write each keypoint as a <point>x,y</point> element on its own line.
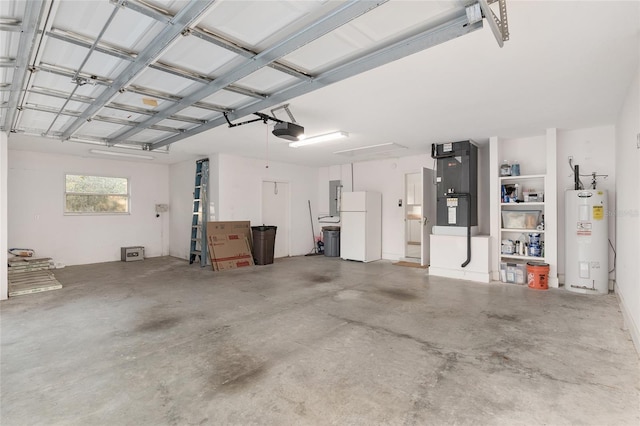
<point>586,241</point>
<point>361,226</point>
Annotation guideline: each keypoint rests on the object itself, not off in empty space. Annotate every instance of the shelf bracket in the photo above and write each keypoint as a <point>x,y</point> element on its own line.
<point>499,27</point>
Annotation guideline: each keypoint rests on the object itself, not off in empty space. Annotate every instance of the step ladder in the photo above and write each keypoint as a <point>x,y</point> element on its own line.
<point>200,214</point>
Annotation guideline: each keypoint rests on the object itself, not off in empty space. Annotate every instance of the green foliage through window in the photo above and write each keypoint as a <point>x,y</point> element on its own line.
<point>96,194</point>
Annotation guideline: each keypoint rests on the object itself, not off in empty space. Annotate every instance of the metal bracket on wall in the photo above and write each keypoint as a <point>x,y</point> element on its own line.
<point>286,108</point>
<point>499,27</point>
<point>262,117</point>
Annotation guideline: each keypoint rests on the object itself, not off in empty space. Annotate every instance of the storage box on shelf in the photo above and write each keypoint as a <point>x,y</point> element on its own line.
<point>522,230</point>
<point>520,219</point>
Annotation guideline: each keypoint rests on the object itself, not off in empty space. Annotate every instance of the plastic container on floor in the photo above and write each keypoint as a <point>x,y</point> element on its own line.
<point>538,275</point>
<point>264,240</point>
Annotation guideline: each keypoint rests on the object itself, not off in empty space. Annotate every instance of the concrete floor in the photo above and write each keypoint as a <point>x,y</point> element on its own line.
<point>310,340</point>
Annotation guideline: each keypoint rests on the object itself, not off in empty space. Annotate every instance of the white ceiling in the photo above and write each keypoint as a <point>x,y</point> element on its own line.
<point>568,64</point>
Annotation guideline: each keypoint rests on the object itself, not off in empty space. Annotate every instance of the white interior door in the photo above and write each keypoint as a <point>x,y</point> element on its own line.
<point>275,212</point>
<point>428,214</point>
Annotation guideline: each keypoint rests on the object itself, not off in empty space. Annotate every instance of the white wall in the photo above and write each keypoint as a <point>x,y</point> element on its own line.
<point>4,284</point>
<point>235,193</point>
<point>387,176</point>
<point>593,150</point>
<point>321,209</point>
<point>627,209</point>
<point>551,222</point>
<point>240,195</point>
<point>484,201</point>
<point>529,152</point>
<point>214,187</point>
<point>36,204</point>
<point>325,175</point>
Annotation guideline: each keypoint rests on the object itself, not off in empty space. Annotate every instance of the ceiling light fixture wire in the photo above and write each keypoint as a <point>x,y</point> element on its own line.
<point>266,126</point>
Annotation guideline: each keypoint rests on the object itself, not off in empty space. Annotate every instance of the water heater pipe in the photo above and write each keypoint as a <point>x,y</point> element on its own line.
<point>468,196</point>
<point>466,262</point>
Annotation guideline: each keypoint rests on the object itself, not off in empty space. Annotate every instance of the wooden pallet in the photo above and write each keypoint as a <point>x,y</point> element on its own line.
<point>30,275</point>
<point>17,260</point>
<point>25,264</point>
<point>30,288</point>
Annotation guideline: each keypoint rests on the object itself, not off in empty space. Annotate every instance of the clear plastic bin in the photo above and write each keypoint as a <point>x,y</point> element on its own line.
<point>520,219</point>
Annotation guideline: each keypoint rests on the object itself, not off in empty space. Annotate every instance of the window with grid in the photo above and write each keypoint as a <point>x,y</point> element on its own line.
<point>96,195</point>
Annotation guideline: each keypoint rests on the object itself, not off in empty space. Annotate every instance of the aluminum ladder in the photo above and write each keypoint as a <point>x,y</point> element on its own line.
<point>200,214</point>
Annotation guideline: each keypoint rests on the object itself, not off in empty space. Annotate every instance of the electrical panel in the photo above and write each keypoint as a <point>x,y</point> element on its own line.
<point>335,189</point>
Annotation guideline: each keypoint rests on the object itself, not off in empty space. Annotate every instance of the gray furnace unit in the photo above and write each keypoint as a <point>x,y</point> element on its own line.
<point>457,183</point>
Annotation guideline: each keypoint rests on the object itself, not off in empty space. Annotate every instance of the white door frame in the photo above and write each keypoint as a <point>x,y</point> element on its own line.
<point>428,214</point>
<point>407,224</point>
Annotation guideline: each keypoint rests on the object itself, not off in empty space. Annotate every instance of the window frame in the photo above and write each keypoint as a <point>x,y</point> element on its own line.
<point>65,193</point>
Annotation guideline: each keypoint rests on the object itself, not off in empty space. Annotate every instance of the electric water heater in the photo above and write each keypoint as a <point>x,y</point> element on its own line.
<point>586,241</point>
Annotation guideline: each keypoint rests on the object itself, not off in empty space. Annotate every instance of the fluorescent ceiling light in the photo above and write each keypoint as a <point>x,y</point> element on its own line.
<point>164,150</point>
<point>371,149</point>
<point>320,138</point>
<point>121,154</point>
<point>88,141</point>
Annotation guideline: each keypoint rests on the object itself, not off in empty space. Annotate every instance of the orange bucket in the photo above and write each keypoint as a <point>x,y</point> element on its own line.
<point>538,275</point>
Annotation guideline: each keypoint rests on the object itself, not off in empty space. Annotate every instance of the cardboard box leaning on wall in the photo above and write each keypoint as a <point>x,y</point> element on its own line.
<point>229,251</point>
<point>242,227</point>
<point>222,229</point>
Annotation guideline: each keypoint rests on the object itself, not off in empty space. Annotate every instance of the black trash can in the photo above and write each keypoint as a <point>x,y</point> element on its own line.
<point>264,240</point>
<point>331,238</point>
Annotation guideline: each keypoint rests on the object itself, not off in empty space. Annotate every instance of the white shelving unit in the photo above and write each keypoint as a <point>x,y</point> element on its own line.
<point>530,182</point>
<point>523,203</point>
<point>537,156</point>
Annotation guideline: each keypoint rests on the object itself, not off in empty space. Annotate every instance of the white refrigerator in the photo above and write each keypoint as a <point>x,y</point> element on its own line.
<point>361,227</point>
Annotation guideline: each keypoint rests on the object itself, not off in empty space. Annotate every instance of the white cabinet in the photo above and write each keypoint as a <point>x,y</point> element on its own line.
<point>522,217</point>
